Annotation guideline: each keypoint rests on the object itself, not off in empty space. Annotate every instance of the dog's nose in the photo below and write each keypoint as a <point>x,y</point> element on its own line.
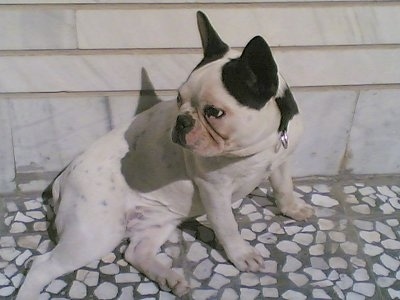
<point>184,123</point>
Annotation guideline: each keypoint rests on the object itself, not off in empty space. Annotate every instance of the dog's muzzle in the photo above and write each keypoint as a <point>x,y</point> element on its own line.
<point>184,124</point>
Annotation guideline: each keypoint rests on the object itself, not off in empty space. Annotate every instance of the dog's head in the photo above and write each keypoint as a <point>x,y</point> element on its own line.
<point>223,105</point>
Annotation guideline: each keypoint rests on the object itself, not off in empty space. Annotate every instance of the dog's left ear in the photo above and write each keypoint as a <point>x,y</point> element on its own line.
<point>253,77</point>
<point>213,46</point>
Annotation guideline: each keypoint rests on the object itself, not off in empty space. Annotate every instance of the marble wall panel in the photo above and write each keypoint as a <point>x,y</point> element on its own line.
<point>176,28</point>
<point>48,133</point>
<point>161,1</point>
<point>374,146</point>
<point>22,29</point>
<point>124,108</point>
<point>340,66</point>
<point>43,133</point>
<point>7,169</point>
<point>305,67</point>
<point>327,119</point>
<point>92,72</point>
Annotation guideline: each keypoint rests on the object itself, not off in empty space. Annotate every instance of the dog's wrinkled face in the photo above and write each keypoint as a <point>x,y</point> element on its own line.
<point>211,121</point>
<point>220,103</point>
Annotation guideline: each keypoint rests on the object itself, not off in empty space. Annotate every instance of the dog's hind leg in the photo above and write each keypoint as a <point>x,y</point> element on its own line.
<point>148,232</point>
<point>75,249</point>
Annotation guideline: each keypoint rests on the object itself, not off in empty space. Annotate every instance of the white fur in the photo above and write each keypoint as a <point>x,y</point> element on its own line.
<point>97,208</point>
<point>136,183</point>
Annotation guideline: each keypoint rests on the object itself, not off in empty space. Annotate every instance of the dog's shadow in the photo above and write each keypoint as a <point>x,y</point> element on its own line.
<point>147,99</point>
<point>147,95</point>
<point>200,229</point>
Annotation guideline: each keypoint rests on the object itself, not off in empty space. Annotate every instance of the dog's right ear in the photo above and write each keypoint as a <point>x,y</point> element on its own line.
<point>213,47</point>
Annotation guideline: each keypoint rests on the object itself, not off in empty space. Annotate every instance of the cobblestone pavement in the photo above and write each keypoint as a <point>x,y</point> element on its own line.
<point>349,250</point>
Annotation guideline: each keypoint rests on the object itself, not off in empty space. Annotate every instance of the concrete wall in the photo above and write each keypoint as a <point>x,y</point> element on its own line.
<point>72,70</point>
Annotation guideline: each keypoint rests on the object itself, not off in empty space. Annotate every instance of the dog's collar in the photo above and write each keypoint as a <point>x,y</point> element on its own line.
<point>284,138</point>
<point>288,108</point>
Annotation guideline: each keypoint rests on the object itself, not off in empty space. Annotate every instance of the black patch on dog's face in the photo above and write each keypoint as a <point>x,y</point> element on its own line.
<point>288,108</point>
<point>253,77</point>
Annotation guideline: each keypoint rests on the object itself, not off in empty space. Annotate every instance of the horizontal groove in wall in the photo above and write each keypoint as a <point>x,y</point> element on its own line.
<point>158,51</point>
<point>108,51</point>
<point>172,93</point>
<point>346,178</point>
<point>200,5</point>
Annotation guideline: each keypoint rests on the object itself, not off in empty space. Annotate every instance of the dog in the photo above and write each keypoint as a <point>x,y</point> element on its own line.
<point>234,124</point>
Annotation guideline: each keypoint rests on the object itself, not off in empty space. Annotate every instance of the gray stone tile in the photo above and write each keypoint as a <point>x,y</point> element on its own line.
<point>370,201</point>
<point>336,255</point>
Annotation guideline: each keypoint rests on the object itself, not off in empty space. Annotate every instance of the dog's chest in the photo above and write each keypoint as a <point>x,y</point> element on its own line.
<point>244,176</point>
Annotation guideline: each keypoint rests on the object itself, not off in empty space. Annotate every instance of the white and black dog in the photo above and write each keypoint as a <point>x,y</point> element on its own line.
<point>225,134</point>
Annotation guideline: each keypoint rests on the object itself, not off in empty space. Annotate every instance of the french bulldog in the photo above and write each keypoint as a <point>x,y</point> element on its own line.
<point>234,124</point>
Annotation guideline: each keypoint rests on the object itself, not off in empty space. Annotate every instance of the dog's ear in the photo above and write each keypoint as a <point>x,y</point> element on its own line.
<point>253,77</point>
<point>213,47</point>
<point>258,58</point>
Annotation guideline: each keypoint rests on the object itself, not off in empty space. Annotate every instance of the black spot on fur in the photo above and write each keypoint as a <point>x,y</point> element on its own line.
<point>288,108</point>
<point>136,215</point>
<point>253,77</point>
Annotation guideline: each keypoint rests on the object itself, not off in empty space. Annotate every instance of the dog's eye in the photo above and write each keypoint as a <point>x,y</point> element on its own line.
<point>212,111</point>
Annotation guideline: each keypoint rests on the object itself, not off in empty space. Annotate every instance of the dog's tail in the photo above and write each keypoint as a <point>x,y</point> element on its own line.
<point>51,197</point>
<point>52,191</point>
<point>47,194</point>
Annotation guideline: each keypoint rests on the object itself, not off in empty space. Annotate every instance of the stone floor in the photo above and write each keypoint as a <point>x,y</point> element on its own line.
<point>349,250</point>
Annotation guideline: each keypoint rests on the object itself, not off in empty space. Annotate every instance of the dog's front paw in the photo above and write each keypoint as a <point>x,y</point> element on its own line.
<point>298,210</point>
<point>246,258</point>
<point>174,282</point>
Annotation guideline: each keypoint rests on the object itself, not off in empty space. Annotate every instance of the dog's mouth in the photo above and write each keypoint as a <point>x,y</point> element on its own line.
<point>178,138</point>
<point>194,135</point>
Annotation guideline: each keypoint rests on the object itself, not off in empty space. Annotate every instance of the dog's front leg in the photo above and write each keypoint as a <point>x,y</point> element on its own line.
<point>282,186</point>
<point>217,203</point>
